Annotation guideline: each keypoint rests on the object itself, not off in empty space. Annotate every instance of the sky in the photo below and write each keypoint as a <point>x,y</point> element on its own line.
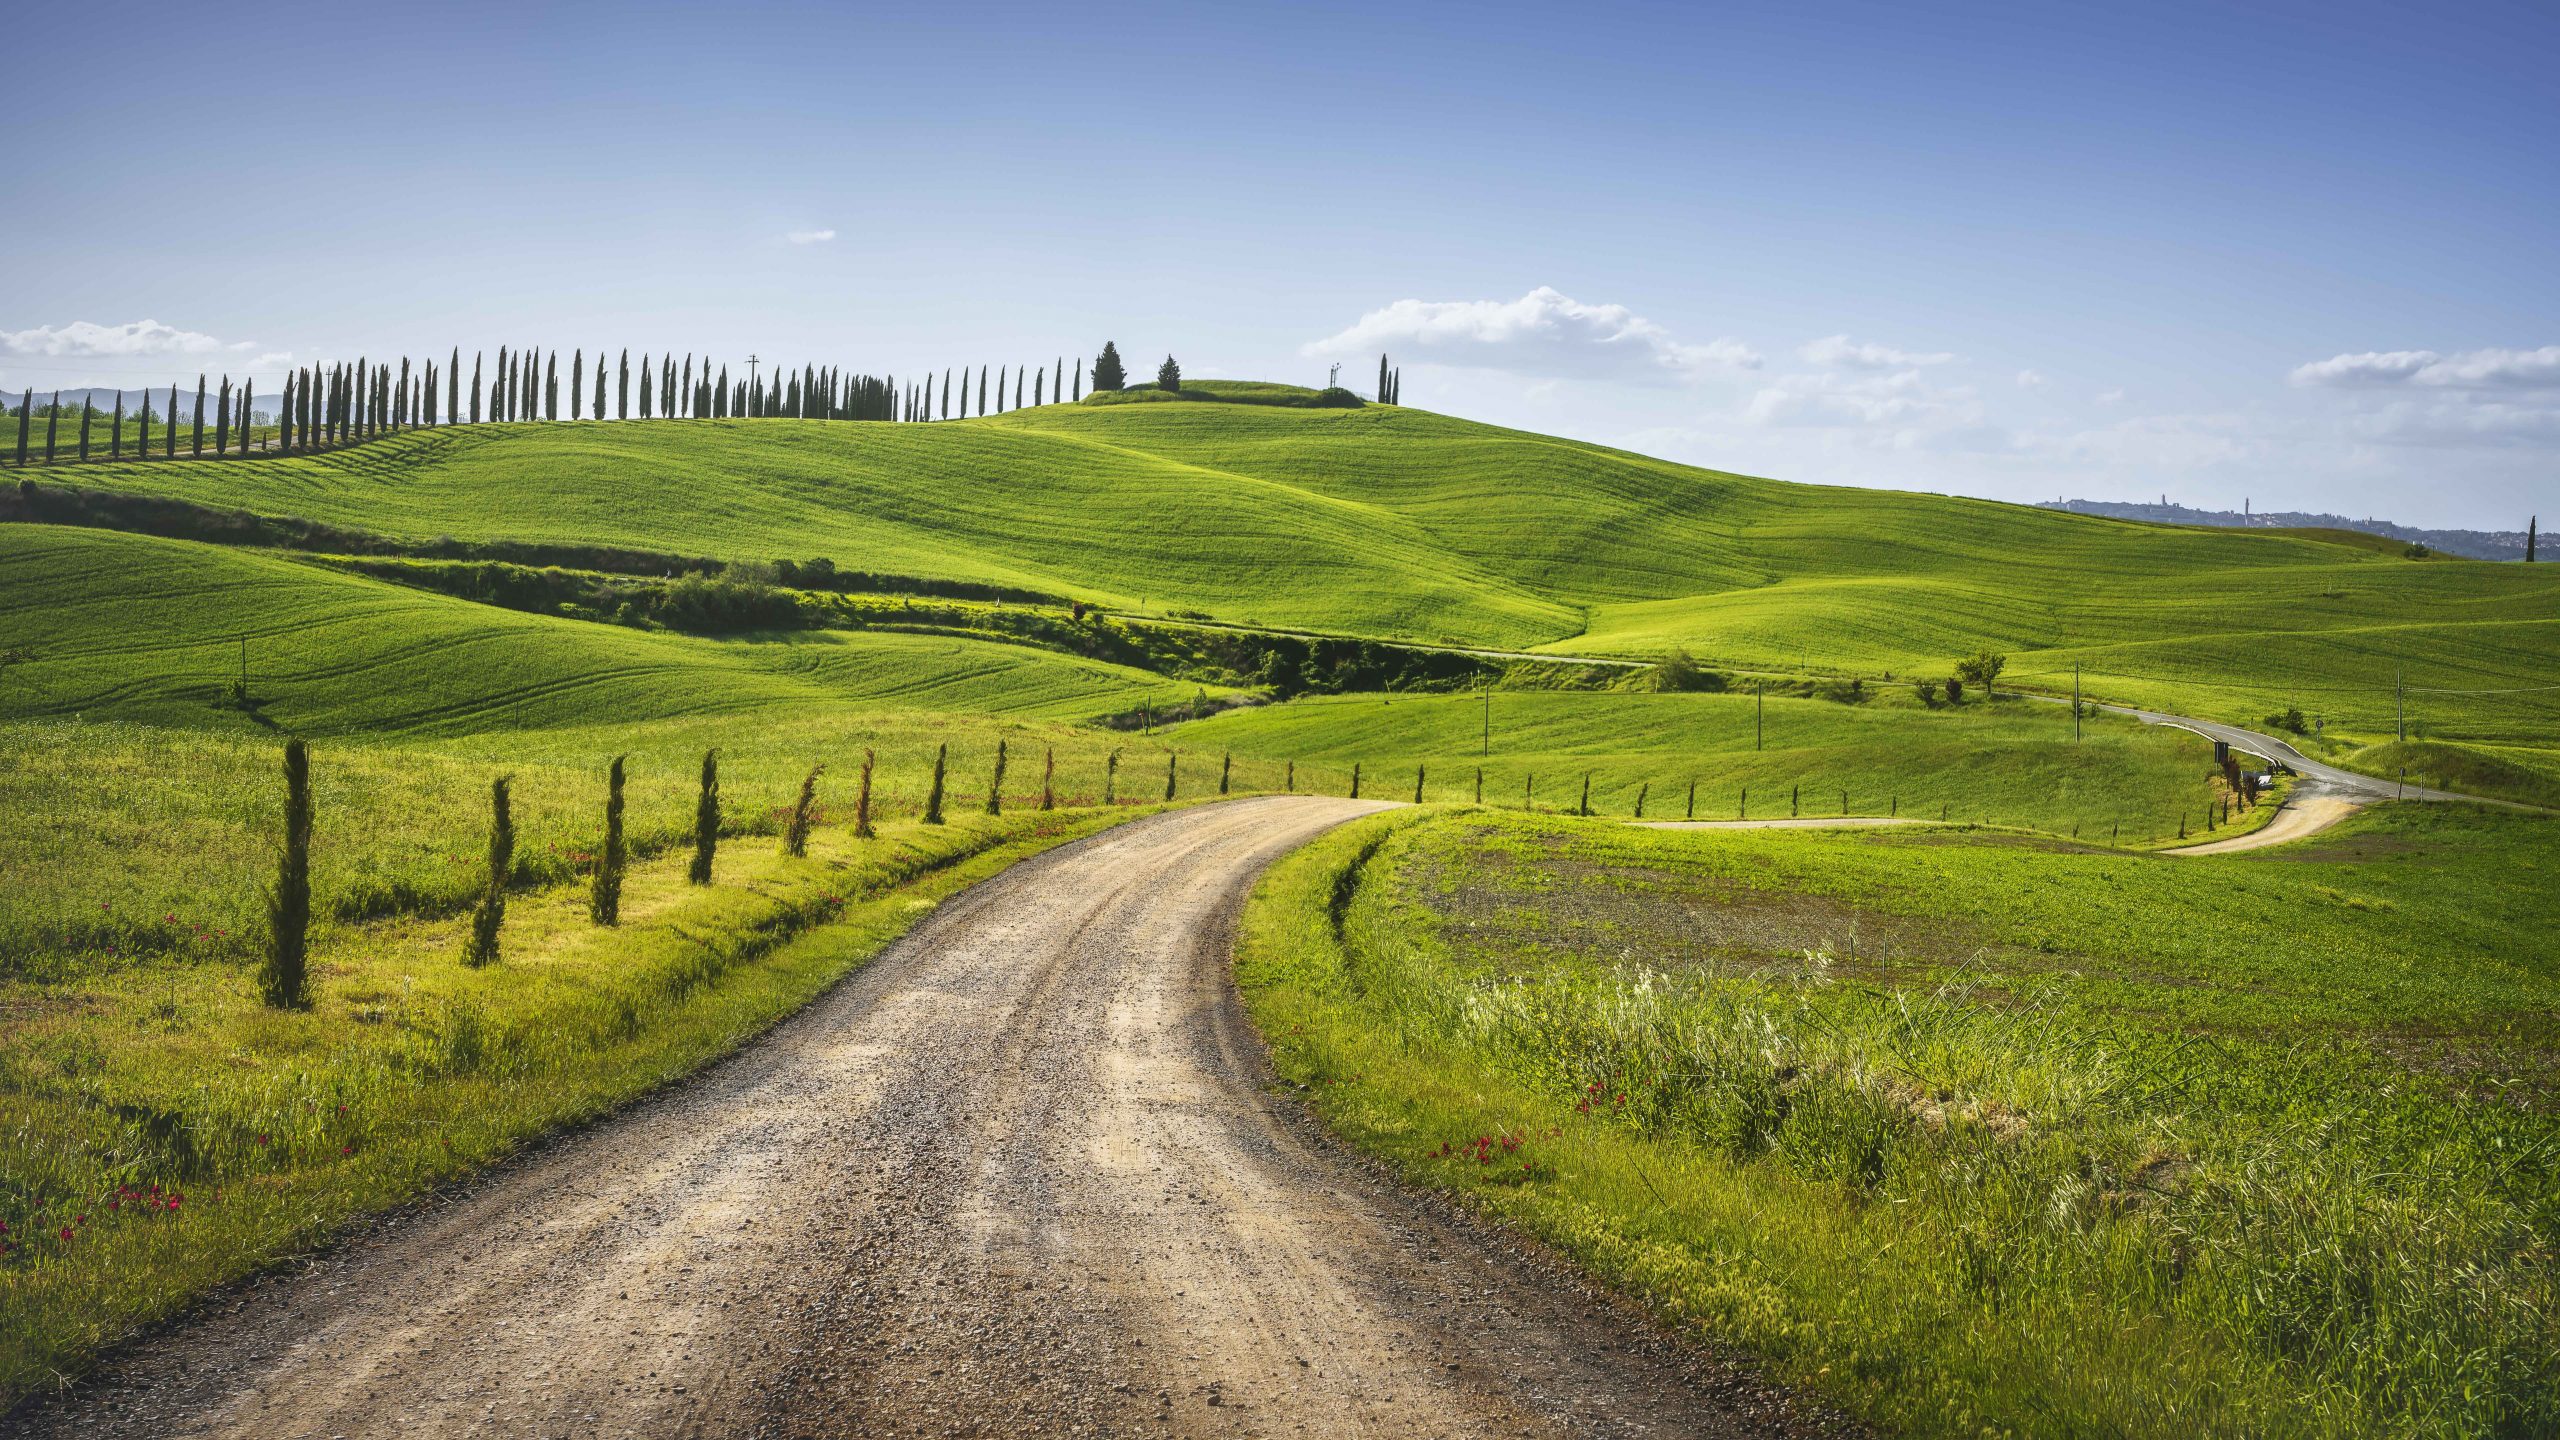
<point>2301,257</point>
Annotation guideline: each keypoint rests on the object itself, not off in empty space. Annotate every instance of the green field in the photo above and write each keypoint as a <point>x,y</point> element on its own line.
<point>2011,763</point>
<point>1973,1135</point>
<point>1398,523</point>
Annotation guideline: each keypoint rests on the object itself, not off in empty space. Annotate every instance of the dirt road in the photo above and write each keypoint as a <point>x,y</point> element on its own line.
<point>1019,1176</point>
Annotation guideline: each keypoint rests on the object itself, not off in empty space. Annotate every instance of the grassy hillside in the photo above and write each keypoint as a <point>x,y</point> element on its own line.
<point>2014,763</point>
<point>1978,1137</point>
<point>137,628</point>
<point>1399,523</point>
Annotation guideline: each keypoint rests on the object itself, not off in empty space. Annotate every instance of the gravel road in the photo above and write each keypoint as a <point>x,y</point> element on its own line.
<point>1023,1174</point>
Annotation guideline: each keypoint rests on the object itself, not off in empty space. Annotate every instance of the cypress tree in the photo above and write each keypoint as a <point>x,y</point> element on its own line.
<point>667,386</point>
<point>1079,383</point>
<point>198,447</point>
<point>551,386</point>
<point>1171,759</point>
<point>720,397</point>
<point>26,421</point>
<point>115,437</point>
<point>502,398</point>
<point>1585,807</point>
<point>1039,378</point>
<point>577,380</point>
<point>453,384</point>
<point>1111,779</point>
<point>1355,779</point>
<point>862,801</point>
<point>946,393</point>
<point>168,430</point>
<point>284,980</point>
<point>933,797</point>
<point>982,392</point>
<point>87,411</point>
<point>248,419</point>
<point>598,410</point>
<point>795,839</point>
<point>2532,531</point>
<point>999,387</point>
<point>622,393</point>
<point>1226,770</point>
<point>286,431</point>
<point>400,414</point>
<point>52,421</point>
<point>475,387</point>
<point>222,421</point>
<point>491,912</point>
<point>1382,379</point>
<point>688,388</point>
<point>1417,789</point>
<point>644,387</point>
<point>604,899</point>
<point>995,785</point>
<point>1058,382</point>
<point>706,820</point>
<point>1017,389</point>
<point>1107,371</point>
<point>1049,778</point>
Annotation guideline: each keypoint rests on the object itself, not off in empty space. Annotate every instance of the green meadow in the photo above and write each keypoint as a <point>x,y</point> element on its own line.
<point>1397,523</point>
<point>1979,1135</point>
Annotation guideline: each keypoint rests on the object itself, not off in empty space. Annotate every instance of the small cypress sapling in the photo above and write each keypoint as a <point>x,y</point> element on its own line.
<point>1171,759</point>
<point>1226,768</point>
<point>862,801</point>
<point>491,912</point>
<point>995,786</point>
<point>1111,779</point>
<point>1641,791</point>
<point>1049,778</point>
<point>284,979</point>
<point>706,820</point>
<point>1795,801</point>
<point>1479,784</point>
<point>1585,807</point>
<point>1417,784</point>
<point>1693,799</point>
<point>933,796</point>
<point>1289,780</point>
<point>795,840</point>
<point>604,898</point>
<point>1355,779</point>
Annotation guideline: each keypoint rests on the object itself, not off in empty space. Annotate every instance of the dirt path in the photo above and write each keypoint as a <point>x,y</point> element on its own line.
<point>1019,1176</point>
<point>1792,822</point>
<point>2301,816</point>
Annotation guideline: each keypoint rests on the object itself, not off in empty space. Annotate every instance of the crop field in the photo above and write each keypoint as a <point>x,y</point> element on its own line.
<point>1398,523</point>
<point>2013,763</point>
<point>1979,1135</point>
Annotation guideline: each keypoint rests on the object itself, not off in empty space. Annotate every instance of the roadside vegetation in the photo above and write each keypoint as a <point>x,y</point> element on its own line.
<point>1976,1135</point>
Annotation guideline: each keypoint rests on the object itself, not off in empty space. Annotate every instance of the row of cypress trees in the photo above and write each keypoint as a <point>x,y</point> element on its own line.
<point>338,404</point>
<point>1390,382</point>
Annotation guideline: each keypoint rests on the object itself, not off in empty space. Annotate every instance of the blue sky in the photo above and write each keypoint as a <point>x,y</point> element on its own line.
<point>2302,255</point>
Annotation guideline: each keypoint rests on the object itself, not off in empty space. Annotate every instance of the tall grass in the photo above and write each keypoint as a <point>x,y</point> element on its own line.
<point>1969,1201</point>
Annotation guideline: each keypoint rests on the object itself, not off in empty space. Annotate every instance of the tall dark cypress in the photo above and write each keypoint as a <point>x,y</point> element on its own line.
<point>622,396</point>
<point>946,393</point>
<point>577,380</point>
<point>475,387</point>
<point>142,446</point>
<point>169,431</point>
<point>667,386</point>
<point>598,410</point>
<point>644,387</point>
<point>88,411</point>
<point>551,386</point>
<point>453,384</point>
<point>1017,389</point>
<point>247,384</point>
<point>502,395</point>
<point>115,437</point>
<point>1382,379</point>
<point>688,384</point>
<point>982,391</point>
<point>222,421</point>
<point>720,396</point>
<point>198,447</point>
<point>1058,381</point>
<point>284,417</point>
<point>1039,382</point>
<point>52,420</point>
<point>26,421</point>
<point>400,407</point>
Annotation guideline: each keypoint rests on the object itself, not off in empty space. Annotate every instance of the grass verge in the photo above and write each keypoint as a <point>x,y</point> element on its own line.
<point>1977,1136</point>
<point>167,1134</point>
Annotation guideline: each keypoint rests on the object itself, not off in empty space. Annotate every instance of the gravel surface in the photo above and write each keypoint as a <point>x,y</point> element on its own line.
<point>1024,1174</point>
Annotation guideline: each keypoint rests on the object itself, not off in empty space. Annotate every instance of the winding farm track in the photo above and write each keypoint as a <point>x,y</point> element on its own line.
<point>1023,1174</point>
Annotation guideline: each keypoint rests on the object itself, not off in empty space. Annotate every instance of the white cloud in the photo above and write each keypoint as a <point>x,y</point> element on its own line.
<point>2030,380</point>
<point>1901,410</point>
<point>2491,369</point>
<point>1865,354</point>
<point>140,337</point>
<point>809,237</point>
<point>1543,333</point>
<point>2111,397</point>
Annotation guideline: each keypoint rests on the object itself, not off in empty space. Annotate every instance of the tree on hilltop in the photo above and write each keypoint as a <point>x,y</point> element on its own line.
<point>1169,375</point>
<point>1108,373</point>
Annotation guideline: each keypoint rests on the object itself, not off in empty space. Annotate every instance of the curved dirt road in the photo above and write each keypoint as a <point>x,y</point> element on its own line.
<point>1018,1176</point>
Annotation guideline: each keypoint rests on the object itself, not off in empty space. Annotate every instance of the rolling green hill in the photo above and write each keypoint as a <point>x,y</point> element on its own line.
<point>1397,523</point>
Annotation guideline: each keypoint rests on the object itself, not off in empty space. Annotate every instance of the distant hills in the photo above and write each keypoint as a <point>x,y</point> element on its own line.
<point>2477,544</point>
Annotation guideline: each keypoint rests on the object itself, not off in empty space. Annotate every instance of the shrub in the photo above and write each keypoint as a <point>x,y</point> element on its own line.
<point>1927,690</point>
<point>604,899</point>
<point>2289,719</point>
<point>285,981</point>
<point>1680,672</point>
<point>933,797</point>
<point>491,912</point>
